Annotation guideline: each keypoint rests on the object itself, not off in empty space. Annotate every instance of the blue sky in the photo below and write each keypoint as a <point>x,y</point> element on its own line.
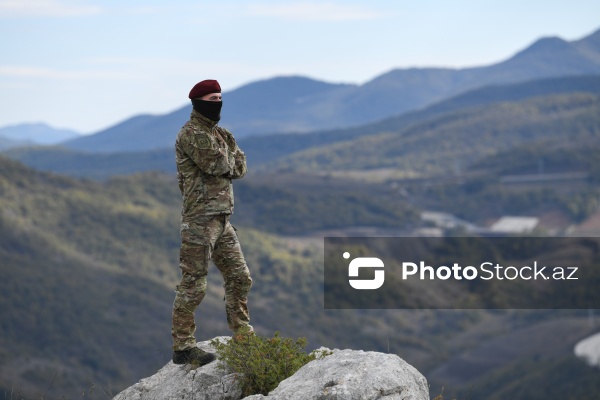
<point>86,65</point>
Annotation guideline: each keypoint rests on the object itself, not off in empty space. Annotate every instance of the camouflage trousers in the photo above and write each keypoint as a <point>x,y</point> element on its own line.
<point>206,238</point>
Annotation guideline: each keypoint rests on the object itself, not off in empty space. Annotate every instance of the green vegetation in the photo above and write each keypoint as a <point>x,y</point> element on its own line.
<point>287,207</point>
<point>451,141</point>
<point>481,195</point>
<point>481,200</point>
<point>89,269</point>
<point>544,157</point>
<point>93,165</point>
<point>88,275</point>
<point>263,362</point>
<point>65,316</point>
<point>130,224</point>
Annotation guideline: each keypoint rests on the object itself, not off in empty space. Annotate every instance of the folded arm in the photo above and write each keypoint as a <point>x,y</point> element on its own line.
<point>211,160</point>
<point>239,168</point>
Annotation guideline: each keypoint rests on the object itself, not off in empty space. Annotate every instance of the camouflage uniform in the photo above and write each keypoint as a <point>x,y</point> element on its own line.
<point>208,158</point>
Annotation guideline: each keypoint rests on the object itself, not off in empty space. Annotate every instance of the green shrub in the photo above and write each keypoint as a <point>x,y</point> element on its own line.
<point>263,362</point>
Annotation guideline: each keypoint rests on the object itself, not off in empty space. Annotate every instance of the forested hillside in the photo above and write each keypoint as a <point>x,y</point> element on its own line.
<point>265,149</point>
<point>459,138</point>
<point>88,274</point>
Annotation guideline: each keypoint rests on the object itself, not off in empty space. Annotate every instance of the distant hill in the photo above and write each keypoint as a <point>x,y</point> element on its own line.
<point>6,143</point>
<point>259,107</point>
<point>297,104</point>
<point>268,148</point>
<point>93,165</point>
<point>450,141</point>
<point>37,133</point>
<point>265,149</point>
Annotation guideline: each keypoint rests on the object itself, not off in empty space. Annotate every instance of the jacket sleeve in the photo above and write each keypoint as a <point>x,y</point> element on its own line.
<point>211,160</point>
<point>240,168</point>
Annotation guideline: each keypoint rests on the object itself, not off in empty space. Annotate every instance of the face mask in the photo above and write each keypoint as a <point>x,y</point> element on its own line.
<point>210,109</point>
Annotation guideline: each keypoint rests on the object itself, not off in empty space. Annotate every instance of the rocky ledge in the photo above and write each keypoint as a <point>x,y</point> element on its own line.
<point>346,374</point>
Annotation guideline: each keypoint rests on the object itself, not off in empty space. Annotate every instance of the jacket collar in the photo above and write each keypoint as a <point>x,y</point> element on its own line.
<point>202,120</point>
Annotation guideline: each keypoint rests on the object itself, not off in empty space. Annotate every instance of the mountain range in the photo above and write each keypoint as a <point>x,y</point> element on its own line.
<point>520,112</point>
<point>32,134</point>
<point>267,149</point>
<point>298,104</point>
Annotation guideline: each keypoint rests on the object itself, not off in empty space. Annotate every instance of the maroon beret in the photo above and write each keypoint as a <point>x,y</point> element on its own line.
<point>205,87</point>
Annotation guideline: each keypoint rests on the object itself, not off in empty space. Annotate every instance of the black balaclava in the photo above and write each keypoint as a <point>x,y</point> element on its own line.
<point>210,109</point>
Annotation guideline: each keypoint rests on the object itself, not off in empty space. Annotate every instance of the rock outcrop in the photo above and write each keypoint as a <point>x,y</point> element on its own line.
<point>353,375</point>
<point>588,350</point>
<point>182,382</point>
<point>346,374</point>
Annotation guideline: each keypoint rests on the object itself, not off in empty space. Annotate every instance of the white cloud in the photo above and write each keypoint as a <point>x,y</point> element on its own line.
<point>313,11</point>
<point>45,8</point>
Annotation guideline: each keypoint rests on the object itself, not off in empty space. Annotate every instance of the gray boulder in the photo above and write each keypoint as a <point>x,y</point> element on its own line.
<point>353,375</point>
<point>588,350</point>
<point>183,382</point>
<point>344,375</point>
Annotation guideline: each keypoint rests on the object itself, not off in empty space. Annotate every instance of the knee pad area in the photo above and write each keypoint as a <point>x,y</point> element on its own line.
<point>239,285</point>
<point>190,291</point>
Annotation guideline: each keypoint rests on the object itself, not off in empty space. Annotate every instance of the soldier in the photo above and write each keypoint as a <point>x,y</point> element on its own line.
<point>208,158</point>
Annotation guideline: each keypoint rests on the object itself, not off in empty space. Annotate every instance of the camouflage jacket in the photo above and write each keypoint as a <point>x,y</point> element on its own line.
<point>208,158</point>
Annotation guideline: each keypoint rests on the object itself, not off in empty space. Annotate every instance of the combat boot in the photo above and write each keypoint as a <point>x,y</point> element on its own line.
<point>193,356</point>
